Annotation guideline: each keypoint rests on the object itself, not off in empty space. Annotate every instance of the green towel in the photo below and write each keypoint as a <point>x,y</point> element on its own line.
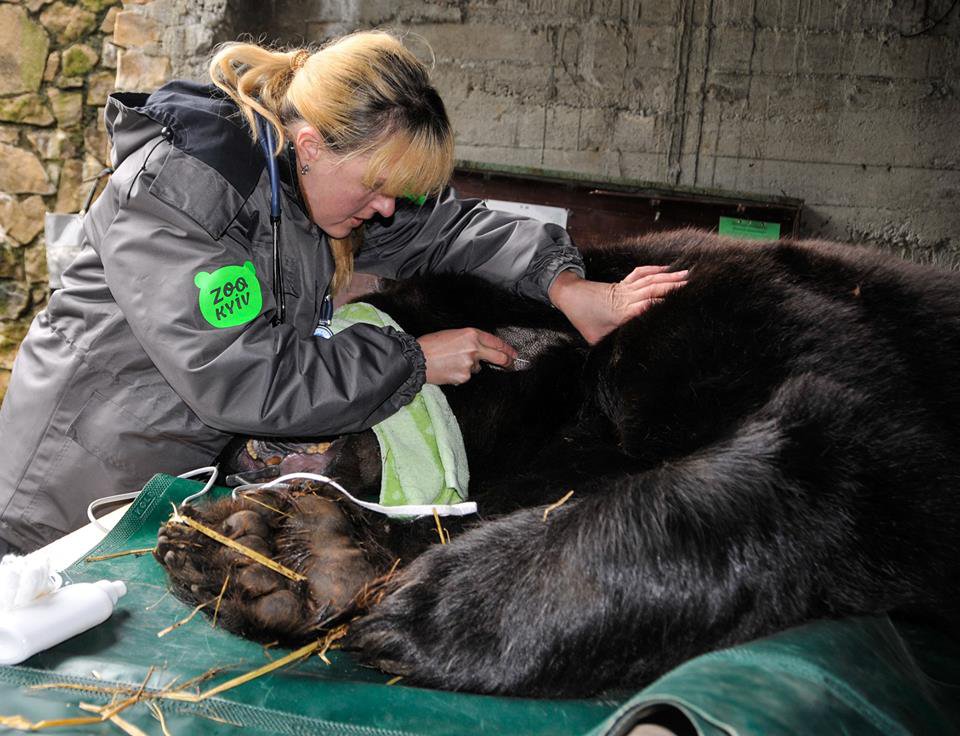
<point>421,448</point>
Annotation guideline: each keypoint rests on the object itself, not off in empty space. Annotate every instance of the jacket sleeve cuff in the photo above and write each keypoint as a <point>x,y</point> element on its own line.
<point>561,255</point>
<point>417,362</point>
<point>555,268</point>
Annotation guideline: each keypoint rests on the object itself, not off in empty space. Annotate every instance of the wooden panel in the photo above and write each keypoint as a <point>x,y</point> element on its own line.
<point>608,211</point>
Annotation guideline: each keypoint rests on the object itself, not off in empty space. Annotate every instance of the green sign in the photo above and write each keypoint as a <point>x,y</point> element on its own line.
<point>230,295</point>
<point>735,227</point>
<point>417,199</point>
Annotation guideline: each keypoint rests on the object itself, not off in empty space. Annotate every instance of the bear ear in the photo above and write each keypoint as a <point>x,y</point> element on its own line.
<point>248,266</point>
<point>200,279</point>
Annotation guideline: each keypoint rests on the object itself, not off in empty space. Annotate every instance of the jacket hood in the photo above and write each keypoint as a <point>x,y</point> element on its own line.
<point>198,120</point>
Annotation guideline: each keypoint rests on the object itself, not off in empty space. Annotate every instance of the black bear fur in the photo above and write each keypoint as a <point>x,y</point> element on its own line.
<point>773,443</point>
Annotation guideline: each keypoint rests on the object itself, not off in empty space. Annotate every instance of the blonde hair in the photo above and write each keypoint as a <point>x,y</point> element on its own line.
<point>365,94</point>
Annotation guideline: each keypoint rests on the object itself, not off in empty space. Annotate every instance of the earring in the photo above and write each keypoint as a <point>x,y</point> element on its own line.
<point>304,169</point>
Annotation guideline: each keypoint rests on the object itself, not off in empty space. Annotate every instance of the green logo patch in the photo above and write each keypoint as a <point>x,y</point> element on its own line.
<point>417,199</point>
<point>230,295</point>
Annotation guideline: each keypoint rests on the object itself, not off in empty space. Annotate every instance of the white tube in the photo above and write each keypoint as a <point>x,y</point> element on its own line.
<point>55,617</point>
<point>417,510</point>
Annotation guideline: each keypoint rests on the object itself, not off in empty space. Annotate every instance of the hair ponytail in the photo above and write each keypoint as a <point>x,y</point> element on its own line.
<point>257,79</point>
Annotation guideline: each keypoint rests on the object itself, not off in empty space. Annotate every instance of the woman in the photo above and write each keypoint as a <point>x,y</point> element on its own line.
<point>174,330</point>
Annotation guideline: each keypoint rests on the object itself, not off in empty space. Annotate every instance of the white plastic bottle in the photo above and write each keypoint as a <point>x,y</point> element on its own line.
<point>55,617</point>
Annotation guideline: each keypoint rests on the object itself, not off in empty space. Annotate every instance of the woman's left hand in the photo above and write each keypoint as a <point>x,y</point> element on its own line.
<point>596,309</point>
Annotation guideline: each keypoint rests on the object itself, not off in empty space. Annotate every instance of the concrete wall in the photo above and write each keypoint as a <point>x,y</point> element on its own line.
<point>820,100</point>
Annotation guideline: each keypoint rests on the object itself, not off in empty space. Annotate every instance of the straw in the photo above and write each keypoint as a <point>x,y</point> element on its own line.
<point>294,656</point>
<point>440,529</point>
<point>184,620</point>
<point>234,545</point>
<point>97,558</point>
<point>557,504</point>
<point>216,610</point>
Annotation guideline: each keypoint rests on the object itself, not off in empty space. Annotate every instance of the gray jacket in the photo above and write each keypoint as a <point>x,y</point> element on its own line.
<point>162,343</point>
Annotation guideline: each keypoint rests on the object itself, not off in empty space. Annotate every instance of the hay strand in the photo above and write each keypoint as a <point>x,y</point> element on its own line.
<point>250,498</point>
<point>157,603</point>
<point>440,529</point>
<point>121,723</point>
<point>19,723</point>
<point>158,714</point>
<point>127,727</point>
<point>102,689</point>
<point>294,656</point>
<point>216,610</point>
<point>236,546</point>
<point>557,504</point>
<point>212,672</point>
<point>327,643</point>
<point>114,555</point>
<point>185,620</point>
<point>268,646</point>
<point>140,694</point>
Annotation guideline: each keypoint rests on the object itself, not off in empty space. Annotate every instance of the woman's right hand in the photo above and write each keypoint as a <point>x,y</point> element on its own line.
<point>454,355</point>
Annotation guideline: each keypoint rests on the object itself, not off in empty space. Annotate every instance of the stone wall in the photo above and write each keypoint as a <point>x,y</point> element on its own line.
<point>59,61</point>
<point>57,67</point>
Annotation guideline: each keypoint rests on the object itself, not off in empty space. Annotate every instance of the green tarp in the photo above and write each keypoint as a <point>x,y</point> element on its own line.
<point>858,676</point>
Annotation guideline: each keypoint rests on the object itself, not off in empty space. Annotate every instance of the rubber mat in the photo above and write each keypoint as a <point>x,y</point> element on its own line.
<point>857,676</point>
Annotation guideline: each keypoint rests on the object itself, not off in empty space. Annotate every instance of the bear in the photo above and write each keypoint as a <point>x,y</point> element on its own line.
<point>774,443</point>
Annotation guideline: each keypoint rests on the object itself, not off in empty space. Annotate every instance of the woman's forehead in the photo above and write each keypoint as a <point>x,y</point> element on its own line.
<point>358,167</point>
<point>380,173</point>
<point>396,168</point>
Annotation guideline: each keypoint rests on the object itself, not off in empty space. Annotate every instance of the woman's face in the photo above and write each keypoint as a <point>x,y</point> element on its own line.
<point>334,189</point>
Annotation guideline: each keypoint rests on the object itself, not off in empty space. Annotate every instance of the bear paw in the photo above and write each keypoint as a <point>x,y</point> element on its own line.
<point>309,534</point>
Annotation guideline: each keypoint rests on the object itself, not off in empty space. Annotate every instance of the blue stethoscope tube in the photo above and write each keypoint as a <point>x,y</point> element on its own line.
<point>268,143</point>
